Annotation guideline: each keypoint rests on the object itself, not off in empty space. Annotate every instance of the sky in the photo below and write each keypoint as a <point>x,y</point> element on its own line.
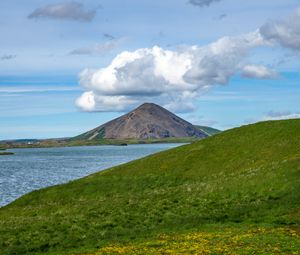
<point>69,66</point>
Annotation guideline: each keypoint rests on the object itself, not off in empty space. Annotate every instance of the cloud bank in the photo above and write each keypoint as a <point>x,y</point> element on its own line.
<point>258,72</point>
<point>175,78</point>
<point>64,11</point>
<point>286,32</point>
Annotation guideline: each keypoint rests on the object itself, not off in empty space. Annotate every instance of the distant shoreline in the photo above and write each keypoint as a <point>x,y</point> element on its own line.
<point>6,153</point>
<point>69,143</point>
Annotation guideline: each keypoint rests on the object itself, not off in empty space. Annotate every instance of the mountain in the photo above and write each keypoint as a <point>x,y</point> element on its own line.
<point>148,121</point>
<point>233,193</point>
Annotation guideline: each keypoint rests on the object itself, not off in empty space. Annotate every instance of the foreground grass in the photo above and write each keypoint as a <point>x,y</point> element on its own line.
<point>240,178</point>
<point>216,240</point>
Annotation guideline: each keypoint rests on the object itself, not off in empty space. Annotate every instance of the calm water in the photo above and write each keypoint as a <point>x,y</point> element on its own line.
<point>31,169</point>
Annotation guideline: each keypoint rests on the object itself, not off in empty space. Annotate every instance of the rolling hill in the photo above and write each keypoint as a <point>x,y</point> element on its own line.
<point>208,130</point>
<point>237,192</point>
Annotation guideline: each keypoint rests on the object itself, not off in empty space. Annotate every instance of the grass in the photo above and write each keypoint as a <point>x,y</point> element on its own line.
<point>223,188</point>
<point>6,153</point>
<point>216,240</point>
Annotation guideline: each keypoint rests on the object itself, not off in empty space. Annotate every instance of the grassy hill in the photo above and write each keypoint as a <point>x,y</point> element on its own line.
<point>237,192</point>
<point>209,130</point>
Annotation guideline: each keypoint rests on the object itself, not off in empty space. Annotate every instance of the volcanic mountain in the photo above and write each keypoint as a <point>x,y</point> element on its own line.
<point>148,121</point>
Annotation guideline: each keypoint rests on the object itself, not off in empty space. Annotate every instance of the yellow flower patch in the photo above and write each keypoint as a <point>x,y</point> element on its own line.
<point>226,241</point>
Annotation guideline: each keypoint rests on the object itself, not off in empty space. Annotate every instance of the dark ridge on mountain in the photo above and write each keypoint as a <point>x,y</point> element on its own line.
<point>148,121</point>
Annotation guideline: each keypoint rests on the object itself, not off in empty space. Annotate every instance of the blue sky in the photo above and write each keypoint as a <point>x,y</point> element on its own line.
<point>203,59</point>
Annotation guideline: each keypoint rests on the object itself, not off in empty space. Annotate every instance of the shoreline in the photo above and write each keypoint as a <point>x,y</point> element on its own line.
<point>6,153</point>
<point>60,144</point>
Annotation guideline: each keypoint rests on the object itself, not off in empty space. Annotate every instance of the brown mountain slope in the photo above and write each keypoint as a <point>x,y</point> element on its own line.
<point>147,121</point>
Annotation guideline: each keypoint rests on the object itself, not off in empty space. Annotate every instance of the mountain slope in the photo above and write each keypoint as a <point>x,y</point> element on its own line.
<point>244,179</point>
<point>148,121</point>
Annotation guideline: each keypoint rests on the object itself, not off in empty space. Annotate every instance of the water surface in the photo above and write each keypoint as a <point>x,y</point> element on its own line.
<point>35,168</point>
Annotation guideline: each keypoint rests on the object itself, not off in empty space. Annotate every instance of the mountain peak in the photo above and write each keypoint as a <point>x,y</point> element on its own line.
<point>148,121</point>
<point>147,106</point>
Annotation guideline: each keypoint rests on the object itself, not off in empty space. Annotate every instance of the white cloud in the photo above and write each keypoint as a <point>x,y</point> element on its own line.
<point>170,78</point>
<point>273,115</point>
<point>68,11</point>
<point>99,48</point>
<point>285,33</point>
<point>203,3</point>
<point>175,78</point>
<point>216,63</point>
<point>258,72</point>
<point>36,89</point>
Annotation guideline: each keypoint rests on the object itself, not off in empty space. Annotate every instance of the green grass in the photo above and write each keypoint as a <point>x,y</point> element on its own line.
<point>85,136</point>
<point>75,142</point>
<point>214,240</point>
<point>6,153</point>
<point>248,176</point>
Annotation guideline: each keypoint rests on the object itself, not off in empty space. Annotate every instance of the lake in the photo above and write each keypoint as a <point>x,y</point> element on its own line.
<point>35,168</point>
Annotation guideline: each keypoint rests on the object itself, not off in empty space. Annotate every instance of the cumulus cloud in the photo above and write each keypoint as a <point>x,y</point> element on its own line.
<point>7,57</point>
<point>258,72</point>
<point>203,3</point>
<point>175,78</point>
<point>170,78</point>
<point>99,48</point>
<point>66,11</point>
<point>285,32</point>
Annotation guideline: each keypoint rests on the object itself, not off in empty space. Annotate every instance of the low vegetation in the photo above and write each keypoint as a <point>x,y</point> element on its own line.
<point>6,153</point>
<point>71,142</point>
<point>234,193</point>
<point>216,240</point>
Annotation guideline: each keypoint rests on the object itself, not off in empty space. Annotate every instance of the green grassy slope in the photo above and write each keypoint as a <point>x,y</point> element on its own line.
<point>209,130</point>
<point>240,177</point>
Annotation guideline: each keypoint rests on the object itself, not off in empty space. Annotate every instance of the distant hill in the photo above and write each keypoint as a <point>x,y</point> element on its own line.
<point>208,130</point>
<point>233,193</point>
<point>148,121</point>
